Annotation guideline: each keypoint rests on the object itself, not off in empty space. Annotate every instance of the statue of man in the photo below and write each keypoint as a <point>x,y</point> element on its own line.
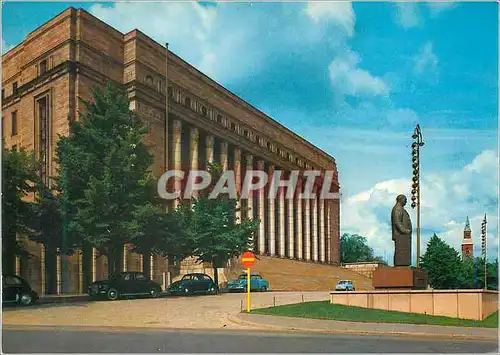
<point>401,232</point>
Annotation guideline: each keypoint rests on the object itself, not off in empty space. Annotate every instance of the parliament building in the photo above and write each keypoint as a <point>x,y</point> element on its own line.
<point>43,80</point>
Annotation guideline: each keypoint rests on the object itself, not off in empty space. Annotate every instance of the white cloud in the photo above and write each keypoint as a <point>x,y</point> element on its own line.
<point>6,47</point>
<point>348,79</point>
<point>340,13</point>
<point>407,14</point>
<point>447,198</point>
<point>426,60</point>
<point>437,7</point>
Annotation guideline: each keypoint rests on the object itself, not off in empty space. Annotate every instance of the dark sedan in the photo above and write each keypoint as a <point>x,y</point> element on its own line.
<point>15,290</point>
<point>124,284</point>
<point>191,284</point>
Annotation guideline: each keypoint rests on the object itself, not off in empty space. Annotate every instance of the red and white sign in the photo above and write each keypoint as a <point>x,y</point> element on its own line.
<point>247,259</point>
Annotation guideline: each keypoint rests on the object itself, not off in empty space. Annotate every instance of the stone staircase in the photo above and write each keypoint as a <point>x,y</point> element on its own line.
<point>294,275</point>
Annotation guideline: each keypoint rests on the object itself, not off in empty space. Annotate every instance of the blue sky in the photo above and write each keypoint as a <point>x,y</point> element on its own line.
<point>354,79</point>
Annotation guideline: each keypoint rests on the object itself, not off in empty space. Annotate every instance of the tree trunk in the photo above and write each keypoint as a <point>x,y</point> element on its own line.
<point>51,270</point>
<point>9,254</point>
<point>216,279</point>
<point>146,263</point>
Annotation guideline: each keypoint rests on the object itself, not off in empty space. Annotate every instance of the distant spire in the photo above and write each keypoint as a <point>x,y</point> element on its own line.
<point>467,225</point>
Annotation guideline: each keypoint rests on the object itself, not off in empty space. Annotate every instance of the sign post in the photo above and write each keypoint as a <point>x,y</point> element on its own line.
<point>247,261</point>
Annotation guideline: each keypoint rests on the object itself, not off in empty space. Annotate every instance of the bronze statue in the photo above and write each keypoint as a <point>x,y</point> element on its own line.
<point>401,232</point>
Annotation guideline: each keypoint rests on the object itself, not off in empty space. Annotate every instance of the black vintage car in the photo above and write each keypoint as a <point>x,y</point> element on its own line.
<point>192,283</point>
<point>124,284</point>
<point>15,290</point>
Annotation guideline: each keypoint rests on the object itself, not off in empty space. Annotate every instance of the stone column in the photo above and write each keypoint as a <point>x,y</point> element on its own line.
<point>281,222</point>
<point>151,266</point>
<point>314,227</point>
<point>125,257</point>
<point>321,230</point>
<point>298,219</point>
<point>194,138</point>
<point>176,153</point>
<point>58,271</point>
<point>291,228</point>
<point>262,206</point>
<point>307,229</point>
<point>42,269</point>
<point>271,218</point>
<point>209,149</point>
<point>94,264</point>
<point>223,155</point>
<point>249,166</point>
<point>80,271</point>
<point>237,178</point>
<point>328,232</point>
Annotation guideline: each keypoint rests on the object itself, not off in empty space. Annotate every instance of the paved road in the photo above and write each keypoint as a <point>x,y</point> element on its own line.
<point>207,312</point>
<point>58,340</point>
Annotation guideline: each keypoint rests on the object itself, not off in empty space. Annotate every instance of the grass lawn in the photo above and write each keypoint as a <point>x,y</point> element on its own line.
<point>326,310</point>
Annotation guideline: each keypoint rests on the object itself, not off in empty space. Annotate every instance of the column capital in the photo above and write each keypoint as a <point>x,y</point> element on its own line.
<point>210,141</point>
<point>249,159</point>
<point>194,133</point>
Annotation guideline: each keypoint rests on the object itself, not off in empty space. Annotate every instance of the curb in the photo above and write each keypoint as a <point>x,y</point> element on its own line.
<point>73,299</point>
<point>238,321</point>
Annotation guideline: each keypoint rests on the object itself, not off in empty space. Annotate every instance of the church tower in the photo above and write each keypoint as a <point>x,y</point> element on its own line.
<point>467,245</point>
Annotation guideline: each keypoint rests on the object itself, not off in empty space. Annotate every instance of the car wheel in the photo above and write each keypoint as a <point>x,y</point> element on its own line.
<point>25,299</point>
<point>154,293</point>
<point>113,294</point>
<point>263,289</point>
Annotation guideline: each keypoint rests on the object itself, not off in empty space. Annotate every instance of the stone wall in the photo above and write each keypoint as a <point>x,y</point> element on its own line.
<point>465,304</point>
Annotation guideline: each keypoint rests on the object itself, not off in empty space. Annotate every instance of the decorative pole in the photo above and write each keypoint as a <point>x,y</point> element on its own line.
<point>415,192</point>
<point>483,250</point>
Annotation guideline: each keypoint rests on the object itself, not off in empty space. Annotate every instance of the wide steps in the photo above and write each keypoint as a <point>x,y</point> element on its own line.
<point>295,275</point>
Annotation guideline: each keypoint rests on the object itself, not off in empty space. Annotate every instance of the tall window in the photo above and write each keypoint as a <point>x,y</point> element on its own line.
<point>3,94</point>
<point>14,123</point>
<point>44,135</point>
<point>43,66</point>
<point>14,88</point>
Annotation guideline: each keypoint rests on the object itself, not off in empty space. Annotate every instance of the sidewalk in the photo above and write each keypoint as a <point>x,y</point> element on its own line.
<point>278,323</point>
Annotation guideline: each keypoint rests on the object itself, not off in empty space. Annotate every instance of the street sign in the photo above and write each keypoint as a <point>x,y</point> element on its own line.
<point>247,259</point>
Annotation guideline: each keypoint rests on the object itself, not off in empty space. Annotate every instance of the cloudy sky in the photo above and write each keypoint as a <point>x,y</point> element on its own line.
<point>354,79</point>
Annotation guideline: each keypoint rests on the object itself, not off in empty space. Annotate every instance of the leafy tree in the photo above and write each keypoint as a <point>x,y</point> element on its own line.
<point>354,248</point>
<point>211,227</point>
<point>443,264</point>
<point>472,274</point>
<point>46,229</point>
<point>18,185</point>
<point>104,174</point>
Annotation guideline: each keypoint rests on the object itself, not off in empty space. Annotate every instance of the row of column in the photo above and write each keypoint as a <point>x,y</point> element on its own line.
<point>303,226</point>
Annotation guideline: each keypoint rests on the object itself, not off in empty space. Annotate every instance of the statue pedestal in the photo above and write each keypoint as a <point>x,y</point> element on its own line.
<point>399,277</point>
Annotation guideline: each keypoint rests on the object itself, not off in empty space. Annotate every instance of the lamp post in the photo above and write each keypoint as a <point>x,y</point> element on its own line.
<point>415,187</point>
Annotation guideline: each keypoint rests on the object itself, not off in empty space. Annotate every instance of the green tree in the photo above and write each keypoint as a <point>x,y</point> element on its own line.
<point>18,185</point>
<point>46,229</point>
<point>472,274</point>
<point>443,264</point>
<point>354,248</point>
<point>103,175</point>
<point>211,228</point>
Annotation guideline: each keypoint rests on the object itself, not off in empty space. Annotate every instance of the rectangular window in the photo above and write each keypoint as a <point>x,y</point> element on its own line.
<point>3,94</point>
<point>43,66</point>
<point>14,88</point>
<point>14,123</point>
<point>43,136</point>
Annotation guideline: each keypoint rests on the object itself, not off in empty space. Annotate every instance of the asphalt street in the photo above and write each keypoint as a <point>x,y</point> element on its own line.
<point>60,340</point>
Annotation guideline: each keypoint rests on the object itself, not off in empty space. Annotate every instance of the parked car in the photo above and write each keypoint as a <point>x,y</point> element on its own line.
<point>257,283</point>
<point>124,284</point>
<point>191,284</point>
<point>15,290</point>
<point>345,285</point>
